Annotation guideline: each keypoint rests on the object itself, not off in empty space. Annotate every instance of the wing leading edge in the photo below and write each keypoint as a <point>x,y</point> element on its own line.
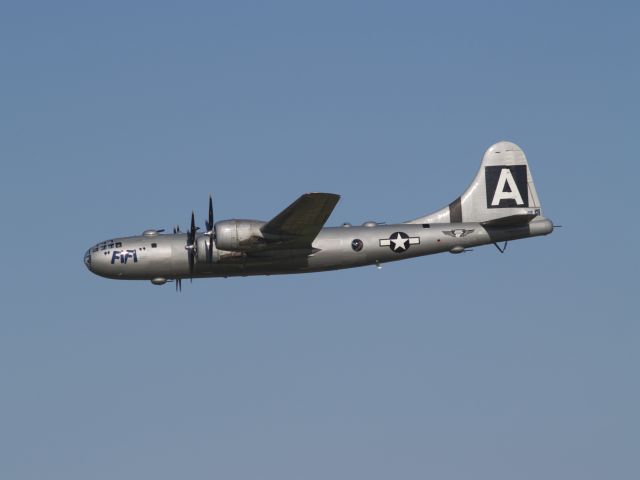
<point>299,223</point>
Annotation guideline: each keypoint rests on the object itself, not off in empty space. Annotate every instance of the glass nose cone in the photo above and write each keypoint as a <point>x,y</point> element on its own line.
<point>87,259</point>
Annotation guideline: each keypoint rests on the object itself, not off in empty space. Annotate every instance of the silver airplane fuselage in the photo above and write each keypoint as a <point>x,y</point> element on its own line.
<point>157,256</point>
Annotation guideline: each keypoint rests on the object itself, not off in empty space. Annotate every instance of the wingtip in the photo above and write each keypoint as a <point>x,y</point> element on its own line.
<point>328,194</point>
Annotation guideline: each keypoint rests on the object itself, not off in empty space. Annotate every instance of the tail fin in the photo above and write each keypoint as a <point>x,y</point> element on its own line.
<point>503,189</point>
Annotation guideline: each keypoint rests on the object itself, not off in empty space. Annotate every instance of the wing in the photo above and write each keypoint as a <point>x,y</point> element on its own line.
<point>299,223</point>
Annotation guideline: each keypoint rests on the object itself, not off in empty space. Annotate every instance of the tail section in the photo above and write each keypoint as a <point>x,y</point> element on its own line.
<point>503,189</point>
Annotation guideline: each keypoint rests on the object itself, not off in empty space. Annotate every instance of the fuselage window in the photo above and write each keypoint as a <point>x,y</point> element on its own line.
<point>357,245</point>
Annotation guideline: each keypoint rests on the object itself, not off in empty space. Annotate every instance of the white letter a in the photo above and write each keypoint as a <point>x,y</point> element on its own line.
<point>500,194</point>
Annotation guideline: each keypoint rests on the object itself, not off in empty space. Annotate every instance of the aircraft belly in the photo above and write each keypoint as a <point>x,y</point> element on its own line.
<point>230,264</point>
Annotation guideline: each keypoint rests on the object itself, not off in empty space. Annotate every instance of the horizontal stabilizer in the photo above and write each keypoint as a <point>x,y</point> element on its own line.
<point>510,221</point>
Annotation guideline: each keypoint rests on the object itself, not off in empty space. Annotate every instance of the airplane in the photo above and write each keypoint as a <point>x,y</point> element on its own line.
<point>500,205</point>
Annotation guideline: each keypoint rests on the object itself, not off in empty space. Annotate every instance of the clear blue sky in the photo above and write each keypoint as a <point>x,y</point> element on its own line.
<point>120,116</point>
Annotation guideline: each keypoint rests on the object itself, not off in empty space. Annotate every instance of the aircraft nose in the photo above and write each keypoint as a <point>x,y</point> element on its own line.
<point>87,259</point>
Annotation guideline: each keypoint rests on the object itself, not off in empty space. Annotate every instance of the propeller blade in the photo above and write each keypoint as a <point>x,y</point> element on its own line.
<point>210,222</point>
<point>191,246</point>
<point>210,231</point>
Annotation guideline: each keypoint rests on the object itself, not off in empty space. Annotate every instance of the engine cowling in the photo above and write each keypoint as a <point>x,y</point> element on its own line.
<point>239,235</point>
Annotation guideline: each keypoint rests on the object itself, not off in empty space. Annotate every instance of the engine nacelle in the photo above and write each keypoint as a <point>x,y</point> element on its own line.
<point>239,235</point>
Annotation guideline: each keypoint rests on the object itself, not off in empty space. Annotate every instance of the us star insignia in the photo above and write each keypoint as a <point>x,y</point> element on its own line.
<point>457,233</point>
<point>399,242</point>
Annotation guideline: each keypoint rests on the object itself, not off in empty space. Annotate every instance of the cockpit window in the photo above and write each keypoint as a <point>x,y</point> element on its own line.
<point>118,244</point>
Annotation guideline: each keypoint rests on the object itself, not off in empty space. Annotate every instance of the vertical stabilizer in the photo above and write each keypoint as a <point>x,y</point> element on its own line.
<point>502,188</point>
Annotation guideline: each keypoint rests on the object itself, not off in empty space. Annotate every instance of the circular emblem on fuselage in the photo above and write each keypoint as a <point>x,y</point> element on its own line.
<point>399,242</point>
<point>357,245</point>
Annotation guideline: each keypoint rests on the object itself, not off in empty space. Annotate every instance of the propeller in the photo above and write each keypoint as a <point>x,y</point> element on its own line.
<point>178,281</point>
<point>210,231</point>
<point>190,247</point>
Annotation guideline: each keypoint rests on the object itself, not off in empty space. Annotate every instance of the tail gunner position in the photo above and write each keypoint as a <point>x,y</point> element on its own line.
<point>501,204</point>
